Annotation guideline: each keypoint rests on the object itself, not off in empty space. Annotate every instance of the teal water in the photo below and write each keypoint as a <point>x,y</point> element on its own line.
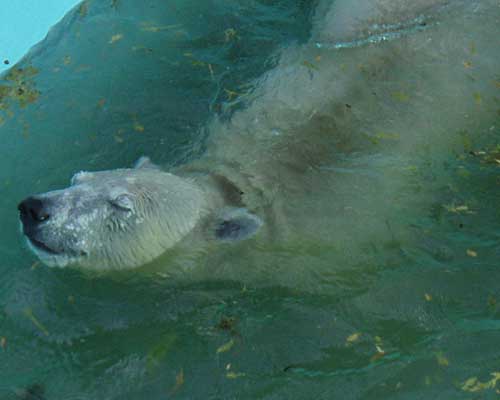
<point>409,311</point>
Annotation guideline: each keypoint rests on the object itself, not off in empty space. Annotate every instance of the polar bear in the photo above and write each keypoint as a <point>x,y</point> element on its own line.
<point>125,218</point>
<point>412,74</point>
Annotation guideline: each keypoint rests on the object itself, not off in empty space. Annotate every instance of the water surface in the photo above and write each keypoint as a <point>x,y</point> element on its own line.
<point>398,300</point>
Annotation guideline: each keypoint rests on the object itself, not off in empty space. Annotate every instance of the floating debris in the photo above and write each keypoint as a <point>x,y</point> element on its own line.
<point>230,34</point>
<point>227,323</point>
<point>474,385</point>
<point>442,360</point>
<point>353,338</point>
<point>400,96</point>
<point>231,94</point>
<point>458,209</point>
<point>471,253</point>
<point>151,27</point>
<point>428,297</point>
<point>378,137</point>
<point>234,375</point>
<point>20,88</point>
<point>211,71</point>
<point>142,49</point>
<point>28,312</point>
<point>226,347</point>
<point>3,342</point>
<point>478,98</point>
<point>115,38</point>
<point>138,127</point>
<point>179,382</point>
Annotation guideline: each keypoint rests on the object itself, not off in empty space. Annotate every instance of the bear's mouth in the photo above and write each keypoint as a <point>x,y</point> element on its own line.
<point>42,246</point>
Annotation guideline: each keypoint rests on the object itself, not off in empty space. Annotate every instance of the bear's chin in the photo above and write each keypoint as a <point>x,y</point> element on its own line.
<point>53,259</point>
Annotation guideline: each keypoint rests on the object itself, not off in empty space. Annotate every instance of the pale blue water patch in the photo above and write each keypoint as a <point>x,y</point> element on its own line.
<point>24,23</point>
<point>398,319</point>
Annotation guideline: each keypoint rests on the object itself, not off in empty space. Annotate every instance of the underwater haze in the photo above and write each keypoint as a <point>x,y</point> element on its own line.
<point>385,284</point>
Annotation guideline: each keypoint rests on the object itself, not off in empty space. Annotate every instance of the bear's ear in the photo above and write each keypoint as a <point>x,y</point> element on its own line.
<point>80,177</point>
<point>145,162</point>
<point>234,224</point>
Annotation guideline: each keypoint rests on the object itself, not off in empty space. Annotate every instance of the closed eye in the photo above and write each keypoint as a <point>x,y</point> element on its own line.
<point>122,203</point>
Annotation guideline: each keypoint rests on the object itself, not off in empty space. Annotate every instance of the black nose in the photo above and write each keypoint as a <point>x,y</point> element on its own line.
<point>32,211</point>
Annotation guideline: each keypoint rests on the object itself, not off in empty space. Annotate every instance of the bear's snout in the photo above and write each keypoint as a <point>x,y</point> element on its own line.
<point>33,211</point>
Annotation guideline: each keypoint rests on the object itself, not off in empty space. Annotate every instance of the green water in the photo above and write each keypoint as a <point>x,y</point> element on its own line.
<point>411,313</point>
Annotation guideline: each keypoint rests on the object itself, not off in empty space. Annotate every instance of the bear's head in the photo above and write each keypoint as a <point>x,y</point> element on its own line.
<point>114,219</point>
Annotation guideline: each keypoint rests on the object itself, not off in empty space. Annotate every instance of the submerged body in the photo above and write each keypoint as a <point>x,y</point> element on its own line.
<point>284,160</point>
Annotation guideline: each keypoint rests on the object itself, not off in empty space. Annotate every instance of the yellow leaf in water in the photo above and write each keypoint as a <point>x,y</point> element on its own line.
<point>497,84</point>
<point>400,96</point>
<point>225,347</point>
<point>234,375</point>
<point>428,297</point>
<point>471,253</point>
<point>353,338</point>
<point>115,38</point>
<point>198,63</point>
<point>442,360</point>
<point>387,136</point>
<point>67,60</point>
<point>411,168</point>
<point>469,383</point>
<point>29,313</point>
<point>474,385</point>
<point>478,98</point>
<point>467,64</point>
<point>138,127</point>
<point>3,342</point>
